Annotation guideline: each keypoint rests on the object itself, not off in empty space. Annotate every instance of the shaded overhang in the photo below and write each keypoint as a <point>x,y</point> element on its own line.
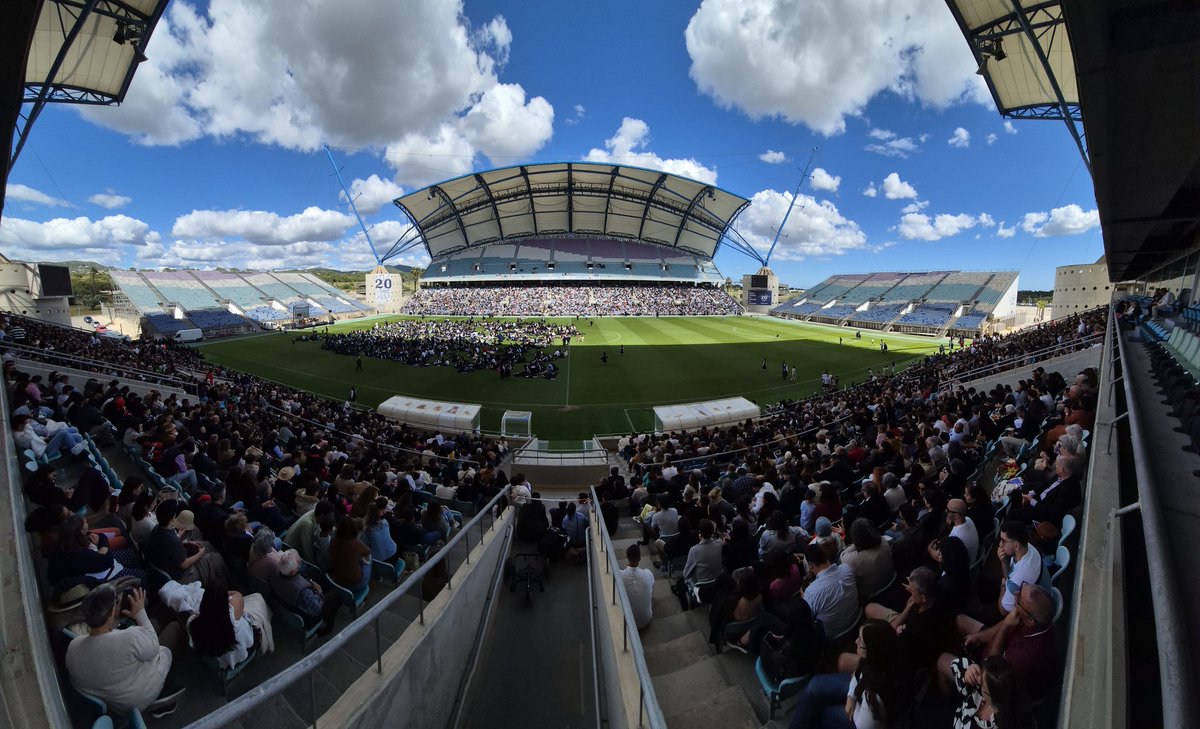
<point>571,198</point>
<point>1138,66</point>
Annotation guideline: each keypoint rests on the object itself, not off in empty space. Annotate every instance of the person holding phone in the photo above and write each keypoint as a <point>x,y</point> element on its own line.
<point>126,668</point>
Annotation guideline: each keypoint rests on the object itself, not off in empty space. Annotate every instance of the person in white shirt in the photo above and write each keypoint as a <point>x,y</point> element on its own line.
<point>1020,563</point>
<point>521,490</point>
<point>962,527</point>
<point>639,586</point>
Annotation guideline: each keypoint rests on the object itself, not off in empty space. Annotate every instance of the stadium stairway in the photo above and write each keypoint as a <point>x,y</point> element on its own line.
<point>696,688</point>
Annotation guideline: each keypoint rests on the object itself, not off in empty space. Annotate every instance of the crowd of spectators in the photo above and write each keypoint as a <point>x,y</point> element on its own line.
<point>862,508</point>
<point>593,299</point>
<point>240,461</point>
<point>510,347</point>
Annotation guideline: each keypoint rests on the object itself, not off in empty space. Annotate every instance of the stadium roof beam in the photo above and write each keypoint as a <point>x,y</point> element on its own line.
<point>84,52</point>
<point>568,198</point>
<point>1024,54</point>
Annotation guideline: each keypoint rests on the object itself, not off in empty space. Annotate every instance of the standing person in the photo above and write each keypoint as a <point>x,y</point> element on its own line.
<point>358,364</point>
<point>604,358</point>
<point>639,586</point>
<point>622,349</point>
<point>353,397</point>
<point>792,375</point>
<point>785,370</point>
<point>764,363</point>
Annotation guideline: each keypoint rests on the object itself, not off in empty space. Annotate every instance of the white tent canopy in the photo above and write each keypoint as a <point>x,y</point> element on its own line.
<point>453,417</point>
<point>701,414</point>
<point>566,198</point>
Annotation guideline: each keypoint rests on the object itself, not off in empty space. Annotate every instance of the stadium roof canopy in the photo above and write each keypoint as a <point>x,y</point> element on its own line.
<point>1127,71</point>
<point>571,198</point>
<point>72,51</point>
<point>1024,55</point>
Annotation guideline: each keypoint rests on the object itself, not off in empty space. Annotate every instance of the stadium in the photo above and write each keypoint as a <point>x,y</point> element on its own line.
<point>262,498</point>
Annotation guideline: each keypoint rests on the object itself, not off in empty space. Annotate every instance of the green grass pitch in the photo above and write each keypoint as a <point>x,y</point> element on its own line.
<point>666,361</point>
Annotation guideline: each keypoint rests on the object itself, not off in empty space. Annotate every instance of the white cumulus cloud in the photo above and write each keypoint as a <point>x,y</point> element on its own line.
<point>110,200</point>
<point>1067,220</point>
<point>1002,232</point>
<point>24,193</point>
<point>1008,127</point>
<point>104,240</point>
<point>896,189</point>
<point>871,190</point>
<point>991,138</point>
<point>261,227</point>
<point>372,193</point>
<point>961,138</point>
<point>816,63</point>
<point>772,157</point>
<point>815,228</point>
<point>822,180</point>
<point>918,226</point>
<point>627,147</point>
<point>280,73</point>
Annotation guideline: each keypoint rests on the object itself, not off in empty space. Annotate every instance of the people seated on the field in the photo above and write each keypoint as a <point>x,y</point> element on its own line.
<point>593,299</point>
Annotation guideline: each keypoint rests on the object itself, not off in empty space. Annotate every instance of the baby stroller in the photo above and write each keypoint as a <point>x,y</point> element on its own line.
<point>529,569</point>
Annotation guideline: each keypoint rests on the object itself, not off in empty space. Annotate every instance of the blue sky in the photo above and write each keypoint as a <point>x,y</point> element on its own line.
<point>215,158</point>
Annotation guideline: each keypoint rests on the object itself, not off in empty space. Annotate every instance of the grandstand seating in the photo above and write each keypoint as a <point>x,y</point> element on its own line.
<point>934,316</point>
<point>167,324</point>
<point>971,320</point>
<point>266,313</point>
<point>215,319</point>
<point>232,287</point>
<point>273,288</point>
<point>877,314</point>
<point>996,288</point>
<point>836,312</point>
<point>180,287</point>
<point>142,296</point>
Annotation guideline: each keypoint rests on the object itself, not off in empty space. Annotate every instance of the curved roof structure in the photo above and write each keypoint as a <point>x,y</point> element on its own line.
<point>564,198</point>
<point>1024,54</point>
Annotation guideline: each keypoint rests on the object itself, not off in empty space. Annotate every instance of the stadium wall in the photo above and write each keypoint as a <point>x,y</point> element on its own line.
<point>20,293</point>
<point>1082,286</point>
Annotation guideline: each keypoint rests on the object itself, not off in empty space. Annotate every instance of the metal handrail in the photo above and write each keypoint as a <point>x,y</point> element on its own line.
<point>1006,364</point>
<point>237,708</point>
<point>1174,657</point>
<point>49,355</point>
<point>648,700</point>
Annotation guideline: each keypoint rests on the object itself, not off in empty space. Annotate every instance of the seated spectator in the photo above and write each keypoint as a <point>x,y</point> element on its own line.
<point>302,534</point>
<point>677,546</point>
<point>377,532</point>
<point>302,595</point>
<point>228,625</point>
<point>639,586</point>
<point>921,624</point>
<point>435,523</point>
<point>142,517</point>
<point>1025,638</point>
<point>962,527</point>
<point>532,522</point>
<point>875,694</point>
<point>264,558</point>
<point>870,558</point>
<point>783,571</point>
<point>350,559</point>
<point>744,606</point>
<point>611,515</point>
<point>832,594</point>
<point>704,559</point>
<point>990,695</point>
<point>128,668</point>
<point>893,493</point>
<point>46,440</point>
<point>84,557</point>
<point>954,572</point>
<point>1020,563</point>
<point>979,510</point>
<point>184,562</point>
<point>238,537</point>
<point>575,526</point>
<point>779,536</point>
<point>828,538</point>
<point>740,549</point>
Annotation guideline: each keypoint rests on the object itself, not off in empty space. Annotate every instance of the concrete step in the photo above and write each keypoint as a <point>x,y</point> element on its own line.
<point>683,688</point>
<point>276,711</point>
<point>665,628</point>
<point>725,709</point>
<point>673,654</point>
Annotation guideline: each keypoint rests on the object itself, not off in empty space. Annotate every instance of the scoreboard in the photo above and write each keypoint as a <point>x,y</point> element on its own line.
<point>383,289</point>
<point>759,298</point>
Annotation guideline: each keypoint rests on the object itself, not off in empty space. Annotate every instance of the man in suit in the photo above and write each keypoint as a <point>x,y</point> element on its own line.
<point>1052,501</point>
